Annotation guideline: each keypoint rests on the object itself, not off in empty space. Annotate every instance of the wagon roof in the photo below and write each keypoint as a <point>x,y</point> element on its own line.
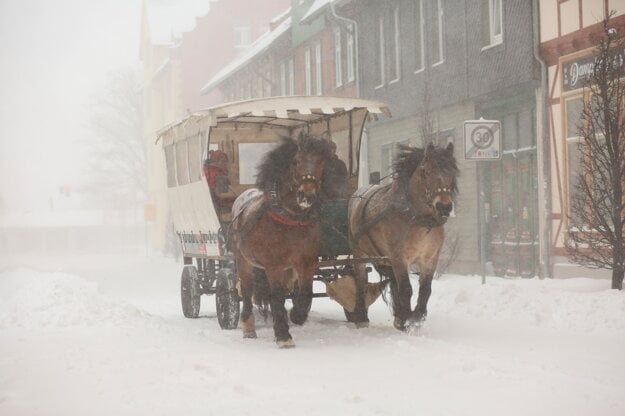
<point>289,112</point>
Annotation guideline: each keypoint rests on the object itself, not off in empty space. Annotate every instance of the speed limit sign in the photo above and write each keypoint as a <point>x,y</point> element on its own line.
<point>482,140</point>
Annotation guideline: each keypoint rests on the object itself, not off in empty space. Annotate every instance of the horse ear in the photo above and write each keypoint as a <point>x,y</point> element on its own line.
<point>450,148</point>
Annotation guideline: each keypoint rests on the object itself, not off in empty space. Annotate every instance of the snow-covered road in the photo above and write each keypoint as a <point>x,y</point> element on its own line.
<point>103,335</point>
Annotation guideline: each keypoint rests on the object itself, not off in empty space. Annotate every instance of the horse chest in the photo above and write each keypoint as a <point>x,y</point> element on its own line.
<point>421,246</point>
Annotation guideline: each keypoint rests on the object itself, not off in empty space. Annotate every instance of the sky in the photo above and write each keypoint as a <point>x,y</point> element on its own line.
<point>55,55</point>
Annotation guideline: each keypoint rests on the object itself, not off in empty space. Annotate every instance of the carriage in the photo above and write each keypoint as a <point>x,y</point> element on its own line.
<point>211,157</point>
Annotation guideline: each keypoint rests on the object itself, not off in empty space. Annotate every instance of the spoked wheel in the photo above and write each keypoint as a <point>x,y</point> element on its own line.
<point>190,292</point>
<point>227,300</point>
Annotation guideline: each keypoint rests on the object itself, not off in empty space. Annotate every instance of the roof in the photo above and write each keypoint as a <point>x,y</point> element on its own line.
<point>169,19</point>
<point>315,9</point>
<point>289,112</point>
<point>260,45</point>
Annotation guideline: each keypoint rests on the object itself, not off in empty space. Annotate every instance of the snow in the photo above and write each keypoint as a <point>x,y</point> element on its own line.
<point>103,335</point>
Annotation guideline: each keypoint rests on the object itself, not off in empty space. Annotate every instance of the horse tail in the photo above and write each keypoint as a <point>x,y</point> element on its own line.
<point>262,292</point>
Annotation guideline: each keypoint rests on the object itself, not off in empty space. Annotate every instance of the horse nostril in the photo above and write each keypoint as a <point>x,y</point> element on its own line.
<point>444,209</point>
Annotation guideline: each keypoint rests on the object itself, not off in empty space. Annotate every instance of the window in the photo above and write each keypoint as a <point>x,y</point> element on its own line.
<point>418,36</point>
<point>308,72</point>
<point>350,55</point>
<point>387,155</point>
<point>318,69</point>
<point>242,36</point>
<point>291,78</point>
<point>381,61</point>
<point>395,60</point>
<point>283,79</point>
<point>250,155</point>
<point>171,166</point>
<point>338,58</point>
<point>195,158</point>
<point>182,171</point>
<point>437,34</point>
<point>495,23</point>
<point>574,109</point>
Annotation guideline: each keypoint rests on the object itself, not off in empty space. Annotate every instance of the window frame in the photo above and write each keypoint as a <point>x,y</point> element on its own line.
<point>493,19</point>
<point>396,47</point>
<point>381,53</point>
<point>307,72</point>
<point>419,34</point>
<point>318,69</point>
<point>350,55</point>
<point>440,38</point>
<point>338,58</point>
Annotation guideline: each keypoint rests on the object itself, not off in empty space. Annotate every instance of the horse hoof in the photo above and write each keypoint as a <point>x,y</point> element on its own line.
<point>286,343</point>
<point>249,334</point>
<point>297,319</point>
<point>363,324</point>
<point>399,324</point>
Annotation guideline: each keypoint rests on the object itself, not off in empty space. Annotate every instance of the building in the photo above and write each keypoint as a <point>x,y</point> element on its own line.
<point>569,31</point>
<point>182,45</point>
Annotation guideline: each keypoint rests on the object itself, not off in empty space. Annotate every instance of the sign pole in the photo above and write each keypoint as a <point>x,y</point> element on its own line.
<point>482,142</point>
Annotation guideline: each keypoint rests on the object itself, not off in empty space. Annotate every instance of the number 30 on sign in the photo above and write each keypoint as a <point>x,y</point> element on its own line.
<point>482,140</point>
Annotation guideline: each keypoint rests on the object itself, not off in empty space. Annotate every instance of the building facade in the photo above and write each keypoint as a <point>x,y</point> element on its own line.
<point>437,64</point>
<point>183,44</point>
<point>569,33</point>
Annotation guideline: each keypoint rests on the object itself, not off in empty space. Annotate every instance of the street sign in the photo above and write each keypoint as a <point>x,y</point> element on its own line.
<point>482,140</point>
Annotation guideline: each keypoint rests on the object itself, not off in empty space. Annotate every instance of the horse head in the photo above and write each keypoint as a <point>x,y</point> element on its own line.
<point>307,169</point>
<point>429,177</point>
<point>293,170</point>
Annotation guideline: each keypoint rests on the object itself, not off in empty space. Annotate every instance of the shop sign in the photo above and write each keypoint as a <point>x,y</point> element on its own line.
<point>575,73</point>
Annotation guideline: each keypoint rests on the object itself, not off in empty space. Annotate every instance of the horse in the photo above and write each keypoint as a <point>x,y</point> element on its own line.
<point>403,223</point>
<point>275,228</point>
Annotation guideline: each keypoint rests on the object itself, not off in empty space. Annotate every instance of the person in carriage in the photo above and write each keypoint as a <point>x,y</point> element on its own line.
<point>334,183</point>
<point>216,173</point>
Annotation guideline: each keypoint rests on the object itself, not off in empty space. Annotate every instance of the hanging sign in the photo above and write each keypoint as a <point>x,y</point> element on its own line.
<point>482,140</point>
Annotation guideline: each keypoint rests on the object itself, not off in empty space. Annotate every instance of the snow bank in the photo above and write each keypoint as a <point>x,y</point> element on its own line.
<point>580,304</point>
<point>30,299</point>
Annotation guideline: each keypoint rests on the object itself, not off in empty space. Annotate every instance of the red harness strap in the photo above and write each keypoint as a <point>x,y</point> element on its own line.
<point>288,222</point>
<point>282,220</point>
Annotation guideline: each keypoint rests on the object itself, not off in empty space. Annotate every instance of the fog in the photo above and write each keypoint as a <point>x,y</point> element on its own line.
<point>55,56</point>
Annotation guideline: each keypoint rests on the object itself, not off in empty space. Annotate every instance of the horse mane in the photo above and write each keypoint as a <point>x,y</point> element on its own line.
<point>275,165</point>
<point>409,158</point>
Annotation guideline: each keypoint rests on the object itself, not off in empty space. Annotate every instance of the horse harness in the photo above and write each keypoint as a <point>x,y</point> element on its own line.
<point>399,204</point>
<point>277,212</point>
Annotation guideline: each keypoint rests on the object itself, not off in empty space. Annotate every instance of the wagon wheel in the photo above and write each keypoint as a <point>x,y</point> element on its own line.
<point>190,292</point>
<point>227,300</point>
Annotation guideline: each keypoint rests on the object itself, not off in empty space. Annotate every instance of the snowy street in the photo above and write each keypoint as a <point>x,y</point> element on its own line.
<point>102,335</point>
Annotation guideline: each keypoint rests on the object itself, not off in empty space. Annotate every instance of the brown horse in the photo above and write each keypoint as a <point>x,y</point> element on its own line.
<point>403,222</point>
<point>276,228</point>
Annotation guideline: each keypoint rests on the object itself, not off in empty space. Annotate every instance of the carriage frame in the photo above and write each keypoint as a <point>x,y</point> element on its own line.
<point>243,131</point>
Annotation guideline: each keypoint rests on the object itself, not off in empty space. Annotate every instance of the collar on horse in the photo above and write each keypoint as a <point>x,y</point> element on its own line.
<point>283,215</point>
<point>400,204</point>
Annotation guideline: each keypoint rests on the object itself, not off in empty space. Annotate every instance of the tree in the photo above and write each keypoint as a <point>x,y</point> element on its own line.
<point>116,174</point>
<point>597,201</point>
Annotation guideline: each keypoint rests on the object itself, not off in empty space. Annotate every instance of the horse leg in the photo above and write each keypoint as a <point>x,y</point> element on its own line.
<point>244,269</point>
<point>359,317</point>
<point>401,295</point>
<point>278,311</point>
<point>425,290</point>
<point>302,296</point>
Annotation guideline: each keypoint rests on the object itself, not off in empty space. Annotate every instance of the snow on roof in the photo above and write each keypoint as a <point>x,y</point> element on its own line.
<point>169,19</point>
<point>315,8</point>
<point>259,46</point>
